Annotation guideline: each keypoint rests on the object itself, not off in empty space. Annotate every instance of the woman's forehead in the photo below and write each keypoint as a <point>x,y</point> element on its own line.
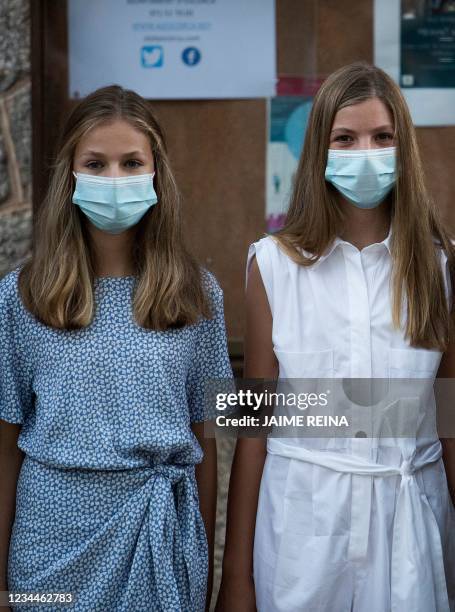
<point>114,136</point>
<point>368,114</point>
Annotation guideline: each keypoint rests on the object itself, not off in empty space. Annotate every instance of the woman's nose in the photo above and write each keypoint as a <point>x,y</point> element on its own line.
<point>367,143</point>
<point>114,171</point>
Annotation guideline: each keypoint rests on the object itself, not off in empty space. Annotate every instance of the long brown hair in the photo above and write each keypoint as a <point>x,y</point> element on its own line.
<point>56,282</point>
<point>315,217</point>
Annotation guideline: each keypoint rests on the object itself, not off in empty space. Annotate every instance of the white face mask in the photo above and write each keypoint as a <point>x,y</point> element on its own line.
<point>364,177</point>
<point>114,204</point>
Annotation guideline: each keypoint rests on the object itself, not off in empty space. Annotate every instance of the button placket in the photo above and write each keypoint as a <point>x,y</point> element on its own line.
<point>360,353</point>
<point>359,314</point>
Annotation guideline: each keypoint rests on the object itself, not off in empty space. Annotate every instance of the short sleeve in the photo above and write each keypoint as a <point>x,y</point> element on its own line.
<point>210,364</point>
<point>261,249</point>
<point>16,396</point>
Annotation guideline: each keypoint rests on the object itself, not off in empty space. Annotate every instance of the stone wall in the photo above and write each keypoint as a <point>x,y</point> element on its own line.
<point>15,133</point>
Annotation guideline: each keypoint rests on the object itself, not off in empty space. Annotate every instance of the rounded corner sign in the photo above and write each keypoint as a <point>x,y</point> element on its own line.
<point>174,49</point>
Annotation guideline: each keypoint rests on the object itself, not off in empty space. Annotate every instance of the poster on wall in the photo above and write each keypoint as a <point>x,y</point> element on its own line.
<point>174,49</point>
<point>288,118</point>
<point>414,42</point>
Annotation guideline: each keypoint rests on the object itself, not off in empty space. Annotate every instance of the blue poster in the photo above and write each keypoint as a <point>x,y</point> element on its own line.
<point>287,124</point>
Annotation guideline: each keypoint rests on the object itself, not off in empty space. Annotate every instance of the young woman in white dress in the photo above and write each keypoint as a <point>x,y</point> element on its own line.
<point>356,285</point>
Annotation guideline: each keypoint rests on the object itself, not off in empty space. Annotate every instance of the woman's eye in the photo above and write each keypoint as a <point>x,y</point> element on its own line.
<point>133,163</point>
<point>384,136</point>
<point>343,138</point>
<point>94,165</point>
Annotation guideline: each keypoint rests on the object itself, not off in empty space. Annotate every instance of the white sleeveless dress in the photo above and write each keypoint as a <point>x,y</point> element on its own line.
<point>349,524</point>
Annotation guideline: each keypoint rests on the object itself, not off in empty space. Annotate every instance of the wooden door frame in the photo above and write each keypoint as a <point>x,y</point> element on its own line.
<point>49,86</point>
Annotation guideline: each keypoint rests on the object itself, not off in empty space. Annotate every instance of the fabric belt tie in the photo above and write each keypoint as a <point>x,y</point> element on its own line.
<point>172,508</point>
<point>417,571</point>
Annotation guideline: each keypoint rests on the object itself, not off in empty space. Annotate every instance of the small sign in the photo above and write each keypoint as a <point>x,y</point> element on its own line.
<point>175,49</point>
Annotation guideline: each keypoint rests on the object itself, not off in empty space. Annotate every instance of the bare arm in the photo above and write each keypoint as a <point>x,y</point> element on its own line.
<point>237,587</point>
<point>206,476</point>
<point>448,449</point>
<point>11,458</point>
<point>447,370</point>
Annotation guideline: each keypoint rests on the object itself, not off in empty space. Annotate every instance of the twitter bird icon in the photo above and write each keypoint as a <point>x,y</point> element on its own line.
<point>152,56</point>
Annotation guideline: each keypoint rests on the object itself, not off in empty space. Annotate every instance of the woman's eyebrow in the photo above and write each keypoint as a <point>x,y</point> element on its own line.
<point>132,153</point>
<point>92,153</point>
<point>383,128</point>
<point>380,128</point>
<point>342,129</point>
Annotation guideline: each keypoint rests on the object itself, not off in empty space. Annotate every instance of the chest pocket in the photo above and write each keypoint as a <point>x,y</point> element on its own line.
<point>308,364</point>
<point>413,363</point>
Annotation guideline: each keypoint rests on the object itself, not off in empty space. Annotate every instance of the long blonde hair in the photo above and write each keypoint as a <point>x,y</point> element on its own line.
<point>315,217</point>
<point>56,282</point>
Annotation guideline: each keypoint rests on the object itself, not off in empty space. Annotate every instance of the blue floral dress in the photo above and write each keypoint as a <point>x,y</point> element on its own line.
<point>107,503</point>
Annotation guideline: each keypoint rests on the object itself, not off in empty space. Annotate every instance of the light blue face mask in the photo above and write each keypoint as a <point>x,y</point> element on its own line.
<point>114,204</point>
<point>364,177</point>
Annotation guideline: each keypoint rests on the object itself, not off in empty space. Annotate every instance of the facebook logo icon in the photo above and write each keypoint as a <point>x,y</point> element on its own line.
<point>191,56</point>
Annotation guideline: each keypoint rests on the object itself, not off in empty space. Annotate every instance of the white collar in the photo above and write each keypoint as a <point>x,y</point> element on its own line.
<point>337,241</point>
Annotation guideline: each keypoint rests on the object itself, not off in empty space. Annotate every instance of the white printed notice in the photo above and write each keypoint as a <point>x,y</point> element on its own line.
<point>168,49</point>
